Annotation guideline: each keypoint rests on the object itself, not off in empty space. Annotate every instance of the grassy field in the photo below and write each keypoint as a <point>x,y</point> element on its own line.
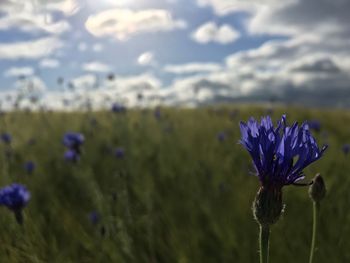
<point>178,195</point>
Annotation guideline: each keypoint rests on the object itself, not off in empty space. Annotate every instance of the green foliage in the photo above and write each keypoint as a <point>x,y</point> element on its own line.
<point>179,195</point>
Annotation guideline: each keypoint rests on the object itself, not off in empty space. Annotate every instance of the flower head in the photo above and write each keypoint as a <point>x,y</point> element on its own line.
<point>346,149</point>
<point>314,125</point>
<point>29,166</point>
<point>15,197</point>
<point>279,153</point>
<point>6,137</point>
<point>118,108</point>
<point>119,152</point>
<point>71,155</point>
<point>221,136</point>
<point>73,140</point>
<point>157,113</point>
<point>94,217</point>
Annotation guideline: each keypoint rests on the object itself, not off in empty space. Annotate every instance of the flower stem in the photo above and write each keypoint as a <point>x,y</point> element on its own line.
<point>264,243</point>
<point>316,206</point>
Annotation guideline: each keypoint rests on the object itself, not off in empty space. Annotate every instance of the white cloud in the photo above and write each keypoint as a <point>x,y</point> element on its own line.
<point>49,63</point>
<point>84,82</point>
<point>32,23</point>
<point>30,49</point>
<point>19,72</point>
<point>225,7</point>
<point>192,68</point>
<point>97,48</point>
<point>146,59</point>
<point>96,66</point>
<point>210,32</point>
<point>66,7</point>
<point>32,86</point>
<point>125,23</point>
<point>82,46</point>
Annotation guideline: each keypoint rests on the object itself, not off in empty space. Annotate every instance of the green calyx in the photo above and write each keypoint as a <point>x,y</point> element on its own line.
<point>268,206</point>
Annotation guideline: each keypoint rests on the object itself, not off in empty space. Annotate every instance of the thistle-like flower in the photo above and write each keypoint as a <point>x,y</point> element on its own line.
<point>314,125</point>
<point>6,138</point>
<point>15,197</point>
<point>119,153</point>
<point>221,136</point>
<point>73,140</point>
<point>29,167</point>
<point>279,153</point>
<point>94,217</point>
<point>346,149</point>
<point>71,156</point>
<point>118,108</point>
<point>279,156</point>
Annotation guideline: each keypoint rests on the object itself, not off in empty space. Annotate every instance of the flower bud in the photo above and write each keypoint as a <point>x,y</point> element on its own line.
<point>317,190</point>
<point>268,206</point>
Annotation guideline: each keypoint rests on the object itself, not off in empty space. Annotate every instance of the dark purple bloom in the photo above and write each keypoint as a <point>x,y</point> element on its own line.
<point>32,141</point>
<point>71,155</point>
<point>118,108</point>
<point>314,125</point>
<point>6,137</point>
<point>73,140</point>
<point>221,136</point>
<point>119,152</point>
<point>15,197</point>
<point>29,167</point>
<point>94,217</point>
<point>346,149</point>
<point>279,153</point>
<point>157,113</point>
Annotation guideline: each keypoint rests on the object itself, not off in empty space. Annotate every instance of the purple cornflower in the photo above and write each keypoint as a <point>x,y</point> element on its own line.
<point>29,167</point>
<point>6,137</point>
<point>314,125</point>
<point>157,113</point>
<point>73,140</point>
<point>15,197</point>
<point>94,217</point>
<point>279,153</point>
<point>118,108</point>
<point>71,155</point>
<point>346,149</point>
<point>221,136</point>
<point>119,152</point>
<point>32,141</point>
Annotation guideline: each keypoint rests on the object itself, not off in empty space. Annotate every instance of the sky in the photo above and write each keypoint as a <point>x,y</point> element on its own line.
<point>67,54</point>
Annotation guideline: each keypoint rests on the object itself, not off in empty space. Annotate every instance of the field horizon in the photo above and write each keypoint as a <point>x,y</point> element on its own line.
<point>164,185</point>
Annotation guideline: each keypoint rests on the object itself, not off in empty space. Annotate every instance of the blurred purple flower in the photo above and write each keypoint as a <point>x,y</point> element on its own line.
<point>346,149</point>
<point>94,217</point>
<point>15,197</point>
<point>314,125</point>
<point>32,141</point>
<point>6,138</point>
<point>73,140</point>
<point>157,113</point>
<point>221,136</point>
<point>72,156</point>
<point>29,167</point>
<point>118,108</point>
<point>119,153</point>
